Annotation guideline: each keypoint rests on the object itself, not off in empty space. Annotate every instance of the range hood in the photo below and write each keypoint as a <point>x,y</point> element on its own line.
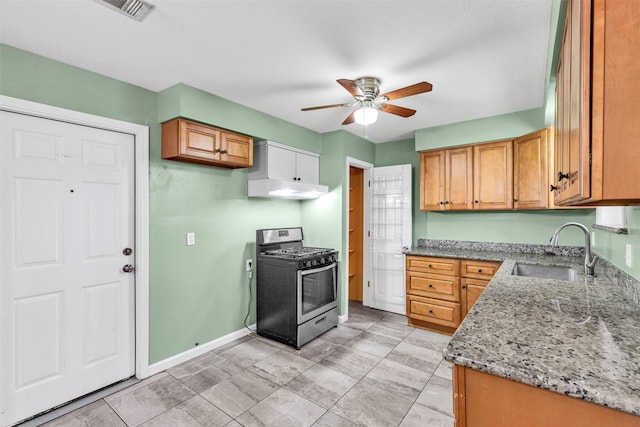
<point>283,172</point>
<point>277,189</point>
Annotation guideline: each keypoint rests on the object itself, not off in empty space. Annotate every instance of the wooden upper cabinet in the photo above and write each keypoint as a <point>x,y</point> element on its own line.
<point>597,107</point>
<point>493,175</point>
<point>188,141</point>
<point>446,179</point>
<point>530,171</point>
<point>459,178</point>
<point>432,180</point>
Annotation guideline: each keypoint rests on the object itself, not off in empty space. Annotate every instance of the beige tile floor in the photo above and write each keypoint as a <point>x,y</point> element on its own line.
<point>373,370</point>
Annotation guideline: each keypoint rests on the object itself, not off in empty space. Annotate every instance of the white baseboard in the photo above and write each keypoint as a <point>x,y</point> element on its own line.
<point>343,318</point>
<point>172,361</point>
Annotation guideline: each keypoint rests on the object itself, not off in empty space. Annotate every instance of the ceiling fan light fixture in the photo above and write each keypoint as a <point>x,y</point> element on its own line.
<point>365,115</point>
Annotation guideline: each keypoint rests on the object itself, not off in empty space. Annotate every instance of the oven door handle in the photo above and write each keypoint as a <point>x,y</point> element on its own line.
<point>317,270</point>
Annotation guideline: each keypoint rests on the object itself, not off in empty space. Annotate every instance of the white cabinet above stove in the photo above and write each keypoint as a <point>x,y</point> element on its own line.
<point>281,171</point>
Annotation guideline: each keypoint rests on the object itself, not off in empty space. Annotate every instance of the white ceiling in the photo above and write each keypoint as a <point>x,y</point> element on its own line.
<point>483,57</point>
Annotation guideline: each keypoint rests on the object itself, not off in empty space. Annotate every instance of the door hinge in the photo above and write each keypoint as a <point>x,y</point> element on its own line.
<point>369,233</point>
<point>369,183</point>
<point>590,154</point>
<point>368,284</point>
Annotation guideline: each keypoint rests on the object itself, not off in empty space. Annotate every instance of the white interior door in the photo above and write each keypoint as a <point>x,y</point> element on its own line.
<point>66,215</point>
<point>390,229</point>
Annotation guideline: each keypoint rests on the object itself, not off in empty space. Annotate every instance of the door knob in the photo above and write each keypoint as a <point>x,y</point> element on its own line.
<point>127,251</point>
<point>127,268</point>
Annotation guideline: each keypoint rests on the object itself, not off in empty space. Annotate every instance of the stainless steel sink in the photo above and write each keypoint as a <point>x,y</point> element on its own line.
<point>545,271</point>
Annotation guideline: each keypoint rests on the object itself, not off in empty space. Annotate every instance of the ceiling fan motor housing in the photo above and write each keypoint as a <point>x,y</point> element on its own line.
<point>370,87</point>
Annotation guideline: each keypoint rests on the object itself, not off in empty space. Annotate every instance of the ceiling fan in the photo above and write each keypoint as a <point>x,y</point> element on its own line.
<point>366,92</point>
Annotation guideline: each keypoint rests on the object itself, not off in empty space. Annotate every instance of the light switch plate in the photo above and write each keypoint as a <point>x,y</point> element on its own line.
<point>191,239</point>
<point>627,255</point>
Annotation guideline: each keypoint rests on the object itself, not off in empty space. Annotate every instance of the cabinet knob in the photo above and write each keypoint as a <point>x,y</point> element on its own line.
<point>562,176</point>
<point>464,287</point>
<point>224,151</point>
<point>446,202</point>
<point>430,266</point>
<point>552,188</point>
<point>430,311</point>
<point>475,201</point>
<point>515,200</point>
<point>441,202</point>
<point>218,150</point>
<point>431,286</point>
<point>479,270</point>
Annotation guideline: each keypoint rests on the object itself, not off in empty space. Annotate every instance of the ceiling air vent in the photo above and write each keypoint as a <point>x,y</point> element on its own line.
<point>136,9</point>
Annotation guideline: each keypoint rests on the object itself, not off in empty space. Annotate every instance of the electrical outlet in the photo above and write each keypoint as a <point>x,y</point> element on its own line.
<point>627,255</point>
<point>191,238</point>
<point>249,265</point>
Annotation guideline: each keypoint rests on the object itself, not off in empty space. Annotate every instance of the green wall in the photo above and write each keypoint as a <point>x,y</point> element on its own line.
<point>197,293</point>
<point>185,101</point>
<point>324,220</point>
<point>200,293</point>
<point>613,246</point>
<point>479,130</point>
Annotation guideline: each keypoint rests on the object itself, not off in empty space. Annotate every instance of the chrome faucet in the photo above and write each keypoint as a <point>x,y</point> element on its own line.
<point>589,262</point>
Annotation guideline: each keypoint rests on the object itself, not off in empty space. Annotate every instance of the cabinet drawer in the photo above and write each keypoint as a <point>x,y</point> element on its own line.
<point>433,285</point>
<point>434,311</point>
<point>479,269</point>
<point>443,266</point>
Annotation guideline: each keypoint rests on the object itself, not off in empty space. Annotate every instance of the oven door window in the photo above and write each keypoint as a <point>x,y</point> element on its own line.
<point>316,291</point>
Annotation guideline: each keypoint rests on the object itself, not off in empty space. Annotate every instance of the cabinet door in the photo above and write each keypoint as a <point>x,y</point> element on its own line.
<point>281,163</point>
<point>430,310</point>
<point>459,179</point>
<point>307,168</point>
<point>530,186</point>
<point>573,167</point>
<point>493,175</point>
<point>432,176</point>
<point>471,291</point>
<point>198,141</point>
<point>236,149</point>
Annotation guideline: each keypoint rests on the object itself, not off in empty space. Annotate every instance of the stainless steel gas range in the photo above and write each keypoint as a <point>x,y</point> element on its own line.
<point>296,288</point>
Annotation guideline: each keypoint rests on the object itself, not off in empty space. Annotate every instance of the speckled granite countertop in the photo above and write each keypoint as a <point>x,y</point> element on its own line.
<point>579,339</point>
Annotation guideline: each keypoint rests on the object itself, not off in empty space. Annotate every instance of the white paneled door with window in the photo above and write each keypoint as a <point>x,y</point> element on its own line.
<point>67,290</point>
<point>390,229</point>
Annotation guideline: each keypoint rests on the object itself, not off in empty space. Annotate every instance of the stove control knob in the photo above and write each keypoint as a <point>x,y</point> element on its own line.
<point>307,263</point>
<point>314,262</point>
<point>321,261</point>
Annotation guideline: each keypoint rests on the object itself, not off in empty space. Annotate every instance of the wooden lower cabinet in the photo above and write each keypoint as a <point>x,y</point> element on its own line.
<point>471,289</point>
<point>441,291</point>
<point>484,400</point>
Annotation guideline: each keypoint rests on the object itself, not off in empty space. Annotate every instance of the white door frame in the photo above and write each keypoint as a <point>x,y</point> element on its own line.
<point>141,138</point>
<point>366,166</point>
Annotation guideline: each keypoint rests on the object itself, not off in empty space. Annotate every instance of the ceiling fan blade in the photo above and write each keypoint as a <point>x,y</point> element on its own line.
<point>349,119</point>
<point>408,91</point>
<point>351,87</point>
<point>398,111</point>
<point>324,106</point>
